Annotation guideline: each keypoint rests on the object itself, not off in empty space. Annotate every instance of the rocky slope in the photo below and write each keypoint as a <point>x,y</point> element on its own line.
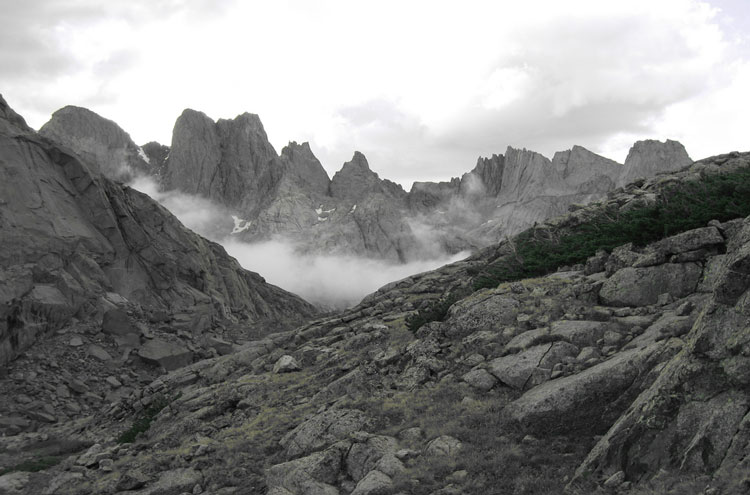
<point>76,244</point>
<point>356,212</point>
<point>624,375</point>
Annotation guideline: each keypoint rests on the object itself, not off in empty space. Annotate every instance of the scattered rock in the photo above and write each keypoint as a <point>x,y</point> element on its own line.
<point>169,355</point>
<point>443,446</point>
<point>480,379</point>
<point>98,352</point>
<point>286,364</point>
<point>374,483</point>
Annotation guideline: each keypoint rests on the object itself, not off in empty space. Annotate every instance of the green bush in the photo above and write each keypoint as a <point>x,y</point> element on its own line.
<point>143,421</point>
<point>33,465</point>
<point>436,311</point>
<point>679,207</point>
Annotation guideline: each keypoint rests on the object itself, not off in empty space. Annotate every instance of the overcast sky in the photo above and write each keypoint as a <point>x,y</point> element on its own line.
<point>422,88</point>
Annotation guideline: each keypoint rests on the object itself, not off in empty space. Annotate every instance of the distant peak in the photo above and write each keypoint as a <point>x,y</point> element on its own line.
<point>294,149</point>
<point>358,162</point>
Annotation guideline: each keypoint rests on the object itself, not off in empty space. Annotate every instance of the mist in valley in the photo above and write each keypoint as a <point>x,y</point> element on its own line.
<point>330,282</point>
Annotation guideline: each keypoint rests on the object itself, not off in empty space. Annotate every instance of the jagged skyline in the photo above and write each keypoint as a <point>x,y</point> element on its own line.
<point>422,90</point>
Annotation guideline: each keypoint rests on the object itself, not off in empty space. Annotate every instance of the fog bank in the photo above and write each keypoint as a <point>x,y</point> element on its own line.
<point>331,282</point>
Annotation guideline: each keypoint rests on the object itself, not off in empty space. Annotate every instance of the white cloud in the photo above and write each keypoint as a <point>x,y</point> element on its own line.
<point>445,82</point>
<point>332,282</point>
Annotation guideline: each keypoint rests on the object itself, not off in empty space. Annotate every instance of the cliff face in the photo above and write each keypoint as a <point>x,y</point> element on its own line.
<point>72,237</point>
<point>648,158</point>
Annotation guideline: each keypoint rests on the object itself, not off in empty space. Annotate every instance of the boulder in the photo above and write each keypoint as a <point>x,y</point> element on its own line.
<point>489,312</point>
<point>643,286</point>
<point>315,473</point>
<point>578,332</point>
<point>480,379</point>
<point>375,483</point>
<point>692,240</point>
<point>592,399</point>
<point>169,355</point>
<point>323,429</point>
<point>443,446</point>
<point>532,366</point>
<point>286,364</point>
<point>364,456</point>
<point>99,352</point>
<point>117,322</point>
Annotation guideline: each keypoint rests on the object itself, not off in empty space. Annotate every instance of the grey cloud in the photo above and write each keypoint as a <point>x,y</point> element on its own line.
<point>589,82</point>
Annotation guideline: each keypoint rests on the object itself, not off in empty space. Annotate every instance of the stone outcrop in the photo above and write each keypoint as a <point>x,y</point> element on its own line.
<point>72,237</point>
<point>648,158</point>
<point>229,161</point>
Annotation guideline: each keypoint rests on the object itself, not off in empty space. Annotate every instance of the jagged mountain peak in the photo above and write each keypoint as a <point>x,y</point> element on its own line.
<point>358,162</point>
<point>248,122</point>
<point>356,180</point>
<point>303,170</point>
<point>296,149</point>
<point>490,171</point>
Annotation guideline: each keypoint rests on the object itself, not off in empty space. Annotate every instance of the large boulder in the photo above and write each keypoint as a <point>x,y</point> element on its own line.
<point>643,286</point>
<point>532,366</point>
<point>169,355</point>
<point>488,311</point>
<point>592,399</point>
<point>323,429</point>
<point>579,333</point>
<point>315,473</point>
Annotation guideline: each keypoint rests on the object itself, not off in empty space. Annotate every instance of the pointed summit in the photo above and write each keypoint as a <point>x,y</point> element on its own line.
<point>355,180</point>
<point>303,170</point>
<point>490,172</point>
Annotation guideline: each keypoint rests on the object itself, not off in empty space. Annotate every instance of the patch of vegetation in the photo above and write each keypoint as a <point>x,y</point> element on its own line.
<point>34,465</point>
<point>679,207</point>
<point>143,421</point>
<point>494,457</point>
<point>436,311</point>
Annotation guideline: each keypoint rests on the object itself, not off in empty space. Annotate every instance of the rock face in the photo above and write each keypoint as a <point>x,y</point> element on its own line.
<point>648,158</point>
<point>229,161</point>
<point>71,237</point>
<point>101,143</point>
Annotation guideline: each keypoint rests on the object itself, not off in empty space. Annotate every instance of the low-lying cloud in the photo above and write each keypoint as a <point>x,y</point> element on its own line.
<point>331,282</point>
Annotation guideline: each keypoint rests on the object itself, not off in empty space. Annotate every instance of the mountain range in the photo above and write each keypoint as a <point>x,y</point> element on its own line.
<point>290,196</point>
